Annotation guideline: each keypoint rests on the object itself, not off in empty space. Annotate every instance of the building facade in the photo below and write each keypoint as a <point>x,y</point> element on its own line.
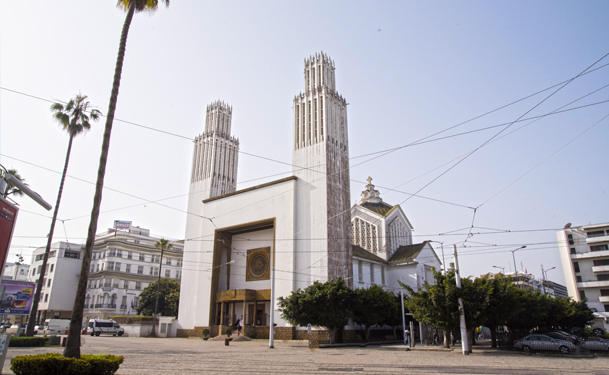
<point>15,271</point>
<point>524,280</point>
<point>123,263</point>
<point>584,253</point>
<point>60,279</point>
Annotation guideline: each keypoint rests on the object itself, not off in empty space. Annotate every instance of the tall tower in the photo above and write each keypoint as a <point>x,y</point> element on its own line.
<point>215,156</point>
<point>321,163</point>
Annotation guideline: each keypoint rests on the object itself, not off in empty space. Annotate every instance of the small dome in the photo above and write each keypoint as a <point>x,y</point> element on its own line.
<point>370,194</point>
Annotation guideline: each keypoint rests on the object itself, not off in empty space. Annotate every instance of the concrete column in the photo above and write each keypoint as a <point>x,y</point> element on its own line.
<point>244,311</point>
<point>221,313</point>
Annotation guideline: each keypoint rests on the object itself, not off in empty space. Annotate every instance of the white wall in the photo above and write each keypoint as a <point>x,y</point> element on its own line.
<point>242,243</point>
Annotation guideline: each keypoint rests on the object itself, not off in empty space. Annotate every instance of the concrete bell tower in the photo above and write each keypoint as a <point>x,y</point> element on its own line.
<point>321,163</point>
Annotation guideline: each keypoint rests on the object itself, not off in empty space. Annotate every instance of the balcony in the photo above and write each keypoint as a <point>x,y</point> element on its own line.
<point>603,299</point>
<point>593,284</point>
<point>105,306</point>
<point>590,254</point>
<point>595,240</point>
<point>600,268</point>
<point>123,307</point>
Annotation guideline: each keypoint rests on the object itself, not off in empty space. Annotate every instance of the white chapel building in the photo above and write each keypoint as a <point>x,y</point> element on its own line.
<point>302,224</point>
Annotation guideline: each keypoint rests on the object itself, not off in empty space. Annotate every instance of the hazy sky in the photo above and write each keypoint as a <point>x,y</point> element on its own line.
<point>407,69</point>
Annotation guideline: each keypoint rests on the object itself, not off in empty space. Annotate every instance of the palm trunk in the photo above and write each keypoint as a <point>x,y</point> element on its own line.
<point>72,349</point>
<point>493,336</point>
<point>32,320</point>
<point>158,289</point>
<point>446,338</point>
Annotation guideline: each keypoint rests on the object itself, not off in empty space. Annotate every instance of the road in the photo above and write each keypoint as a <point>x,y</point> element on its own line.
<point>193,356</point>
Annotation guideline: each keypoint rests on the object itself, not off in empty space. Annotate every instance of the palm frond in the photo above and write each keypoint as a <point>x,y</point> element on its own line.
<point>57,107</point>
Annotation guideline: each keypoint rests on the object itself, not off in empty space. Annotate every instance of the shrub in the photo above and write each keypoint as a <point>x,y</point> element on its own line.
<point>229,331</point>
<point>28,341</point>
<point>205,332</point>
<point>56,364</point>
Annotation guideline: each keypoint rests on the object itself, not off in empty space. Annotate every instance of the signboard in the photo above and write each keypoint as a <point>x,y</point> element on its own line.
<point>17,297</point>
<point>8,218</point>
<point>120,224</point>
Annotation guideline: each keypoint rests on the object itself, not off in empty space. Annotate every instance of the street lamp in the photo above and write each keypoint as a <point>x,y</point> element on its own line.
<point>502,269</point>
<point>544,277</point>
<point>514,258</point>
<point>443,262</point>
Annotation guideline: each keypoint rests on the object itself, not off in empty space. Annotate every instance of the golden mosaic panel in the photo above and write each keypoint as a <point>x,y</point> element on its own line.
<point>258,264</point>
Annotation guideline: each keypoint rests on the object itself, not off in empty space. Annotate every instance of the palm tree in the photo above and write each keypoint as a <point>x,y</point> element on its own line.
<point>74,119</point>
<point>131,6</point>
<point>162,245</point>
<point>11,189</point>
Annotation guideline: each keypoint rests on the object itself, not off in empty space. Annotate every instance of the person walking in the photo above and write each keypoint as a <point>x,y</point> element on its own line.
<point>407,334</point>
<point>239,327</point>
<point>436,337</point>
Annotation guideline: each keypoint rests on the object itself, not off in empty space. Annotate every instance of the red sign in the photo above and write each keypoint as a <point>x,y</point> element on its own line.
<point>8,219</point>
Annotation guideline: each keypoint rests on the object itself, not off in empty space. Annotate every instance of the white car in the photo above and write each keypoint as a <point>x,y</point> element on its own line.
<point>108,327</point>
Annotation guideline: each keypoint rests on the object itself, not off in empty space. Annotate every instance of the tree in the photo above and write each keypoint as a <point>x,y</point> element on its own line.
<point>436,305</point>
<point>131,6</point>
<point>327,305</point>
<point>393,316</point>
<point>10,188</point>
<point>162,245</point>
<point>168,298</point>
<point>74,118</point>
<point>502,306</point>
<point>369,307</point>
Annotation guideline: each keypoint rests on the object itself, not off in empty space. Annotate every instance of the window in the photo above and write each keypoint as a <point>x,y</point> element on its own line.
<point>371,273</point>
<point>52,254</point>
<point>601,262</point>
<point>360,271</point>
<point>606,308</point>
<point>321,111</point>
<point>570,238</point>
<point>313,74</point>
<point>178,274</point>
<point>578,279</point>
<point>599,248</point>
<point>168,261</point>
<point>126,284</point>
<point>156,271</point>
<point>97,268</point>
<point>596,233</point>
<point>576,266</point>
<point>572,250</point>
<point>142,257</point>
<point>136,241</point>
<point>604,292</point>
<point>117,266</point>
<point>138,285</point>
<point>92,268</point>
<point>128,268</point>
<point>48,282</point>
<point>39,269</point>
<point>124,302</point>
<point>119,253</point>
<point>39,257</point>
<point>315,118</point>
<point>382,275</point>
<point>602,277</point>
<point>140,270</point>
<point>582,295</point>
<point>103,254</point>
<point>156,259</point>
<point>112,252</point>
<point>129,255</point>
<point>33,271</point>
<point>51,267</point>
<point>136,301</point>
<point>309,122</point>
<point>179,262</point>
<point>168,273</point>
<point>46,297</point>
<point>110,266</point>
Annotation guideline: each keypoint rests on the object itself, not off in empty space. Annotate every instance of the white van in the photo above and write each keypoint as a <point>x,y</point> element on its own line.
<point>56,327</point>
<point>109,327</point>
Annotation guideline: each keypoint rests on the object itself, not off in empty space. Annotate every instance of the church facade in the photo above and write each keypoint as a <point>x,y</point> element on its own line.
<point>302,225</point>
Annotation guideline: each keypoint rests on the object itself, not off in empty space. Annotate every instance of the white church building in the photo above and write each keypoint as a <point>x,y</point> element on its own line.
<point>302,224</point>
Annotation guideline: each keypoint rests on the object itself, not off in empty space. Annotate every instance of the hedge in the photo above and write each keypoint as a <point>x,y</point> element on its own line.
<point>56,364</point>
<point>28,341</point>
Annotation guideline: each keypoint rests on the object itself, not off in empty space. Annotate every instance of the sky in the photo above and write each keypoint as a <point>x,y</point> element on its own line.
<point>407,69</point>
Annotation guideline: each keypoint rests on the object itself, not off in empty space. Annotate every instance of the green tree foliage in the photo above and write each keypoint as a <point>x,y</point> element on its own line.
<point>435,305</point>
<point>12,189</point>
<point>502,304</point>
<point>373,306</point>
<point>169,296</point>
<point>327,305</point>
<point>393,316</point>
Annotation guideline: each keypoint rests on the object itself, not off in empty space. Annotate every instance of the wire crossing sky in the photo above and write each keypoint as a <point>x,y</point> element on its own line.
<point>409,71</point>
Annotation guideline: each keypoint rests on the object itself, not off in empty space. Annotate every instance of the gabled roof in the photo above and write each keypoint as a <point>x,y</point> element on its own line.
<point>408,253</point>
<point>380,208</point>
<point>360,252</point>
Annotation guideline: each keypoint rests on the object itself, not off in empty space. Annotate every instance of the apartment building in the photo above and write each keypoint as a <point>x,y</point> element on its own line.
<point>15,271</point>
<point>584,252</point>
<point>60,279</point>
<point>123,263</point>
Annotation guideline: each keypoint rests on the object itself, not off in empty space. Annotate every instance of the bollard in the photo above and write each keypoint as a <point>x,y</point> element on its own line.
<point>226,341</point>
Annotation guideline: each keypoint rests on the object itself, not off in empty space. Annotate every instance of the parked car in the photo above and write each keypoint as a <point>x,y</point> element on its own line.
<point>542,342</point>
<point>98,327</point>
<point>596,345</point>
<point>562,335</point>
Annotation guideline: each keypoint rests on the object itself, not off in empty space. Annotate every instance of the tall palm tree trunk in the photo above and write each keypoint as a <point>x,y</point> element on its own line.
<point>32,319</point>
<point>156,302</point>
<point>72,349</point>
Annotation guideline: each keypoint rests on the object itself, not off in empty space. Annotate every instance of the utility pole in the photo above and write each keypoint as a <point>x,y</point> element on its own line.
<point>403,314</point>
<point>464,341</point>
<point>543,280</point>
<point>272,304</point>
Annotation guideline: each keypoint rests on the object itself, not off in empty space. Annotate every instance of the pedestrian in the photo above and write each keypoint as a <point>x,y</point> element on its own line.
<point>407,335</point>
<point>239,327</point>
<point>436,338</point>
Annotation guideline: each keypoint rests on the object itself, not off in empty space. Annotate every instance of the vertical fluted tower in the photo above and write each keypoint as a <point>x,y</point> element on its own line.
<point>215,156</point>
<point>321,163</point>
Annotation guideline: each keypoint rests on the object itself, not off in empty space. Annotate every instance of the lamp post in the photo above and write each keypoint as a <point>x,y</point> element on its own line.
<point>443,261</point>
<point>544,277</point>
<point>502,269</point>
<point>514,258</point>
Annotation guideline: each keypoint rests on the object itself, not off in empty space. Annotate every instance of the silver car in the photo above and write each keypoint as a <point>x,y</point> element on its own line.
<point>596,345</point>
<point>542,342</point>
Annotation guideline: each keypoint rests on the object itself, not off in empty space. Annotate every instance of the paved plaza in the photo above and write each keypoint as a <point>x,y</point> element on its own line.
<point>193,356</point>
